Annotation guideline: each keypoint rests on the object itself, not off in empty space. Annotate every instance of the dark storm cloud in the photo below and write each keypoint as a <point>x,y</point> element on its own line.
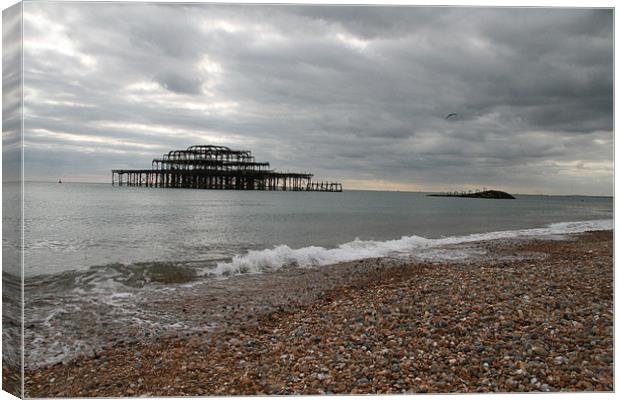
<point>178,83</point>
<point>358,94</point>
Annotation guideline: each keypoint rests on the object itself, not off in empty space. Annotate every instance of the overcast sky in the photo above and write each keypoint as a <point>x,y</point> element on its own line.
<point>353,94</point>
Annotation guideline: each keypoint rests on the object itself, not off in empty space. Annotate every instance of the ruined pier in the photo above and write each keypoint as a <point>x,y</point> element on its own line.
<point>217,167</point>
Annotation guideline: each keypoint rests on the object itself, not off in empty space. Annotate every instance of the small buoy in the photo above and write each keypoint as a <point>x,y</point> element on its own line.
<point>59,181</point>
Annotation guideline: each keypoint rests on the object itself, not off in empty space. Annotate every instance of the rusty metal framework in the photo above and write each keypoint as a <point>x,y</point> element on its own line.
<point>217,167</point>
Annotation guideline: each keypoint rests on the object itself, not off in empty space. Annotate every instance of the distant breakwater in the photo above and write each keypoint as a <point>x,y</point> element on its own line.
<point>485,194</point>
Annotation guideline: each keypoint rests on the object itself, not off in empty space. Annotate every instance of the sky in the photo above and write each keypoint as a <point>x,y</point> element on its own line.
<point>357,95</point>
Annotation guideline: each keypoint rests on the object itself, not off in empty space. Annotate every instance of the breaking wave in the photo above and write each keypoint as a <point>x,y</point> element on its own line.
<point>122,278</point>
<point>256,261</point>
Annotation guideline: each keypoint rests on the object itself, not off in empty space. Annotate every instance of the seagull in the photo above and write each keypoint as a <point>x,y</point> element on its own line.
<point>451,115</point>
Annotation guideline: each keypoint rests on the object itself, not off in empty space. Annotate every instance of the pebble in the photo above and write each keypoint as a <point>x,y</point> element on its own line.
<point>402,327</point>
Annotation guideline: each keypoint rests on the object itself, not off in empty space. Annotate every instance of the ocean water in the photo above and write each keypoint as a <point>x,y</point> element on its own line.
<point>97,255</point>
<point>73,227</point>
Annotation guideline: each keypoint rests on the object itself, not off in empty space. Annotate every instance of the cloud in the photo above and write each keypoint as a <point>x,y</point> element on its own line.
<point>358,94</point>
<point>11,94</point>
<point>179,84</point>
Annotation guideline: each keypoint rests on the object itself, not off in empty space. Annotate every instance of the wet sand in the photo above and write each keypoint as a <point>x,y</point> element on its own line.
<point>520,315</point>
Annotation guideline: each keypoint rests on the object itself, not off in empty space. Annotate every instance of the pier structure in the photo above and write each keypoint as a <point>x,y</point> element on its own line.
<point>217,167</point>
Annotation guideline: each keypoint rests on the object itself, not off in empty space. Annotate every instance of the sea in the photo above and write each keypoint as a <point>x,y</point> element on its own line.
<point>95,252</point>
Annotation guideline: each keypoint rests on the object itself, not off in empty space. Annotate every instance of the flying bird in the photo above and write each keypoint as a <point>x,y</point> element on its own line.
<point>451,115</point>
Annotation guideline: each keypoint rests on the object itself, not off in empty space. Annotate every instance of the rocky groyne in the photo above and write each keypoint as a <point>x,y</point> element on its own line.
<point>485,194</point>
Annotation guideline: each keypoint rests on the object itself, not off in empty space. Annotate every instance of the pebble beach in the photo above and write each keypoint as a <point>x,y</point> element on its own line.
<point>526,315</point>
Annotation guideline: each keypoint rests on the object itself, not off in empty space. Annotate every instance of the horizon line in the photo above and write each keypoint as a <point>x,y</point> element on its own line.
<point>345,189</point>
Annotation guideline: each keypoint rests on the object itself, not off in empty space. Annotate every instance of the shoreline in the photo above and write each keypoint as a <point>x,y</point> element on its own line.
<point>312,316</point>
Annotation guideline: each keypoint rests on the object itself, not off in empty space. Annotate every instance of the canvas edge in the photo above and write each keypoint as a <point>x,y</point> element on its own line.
<point>12,201</point>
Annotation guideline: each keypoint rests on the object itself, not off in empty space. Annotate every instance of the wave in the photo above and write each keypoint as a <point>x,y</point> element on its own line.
<point>256,261</point>
<point>123,278</point>
<point>113,277</point>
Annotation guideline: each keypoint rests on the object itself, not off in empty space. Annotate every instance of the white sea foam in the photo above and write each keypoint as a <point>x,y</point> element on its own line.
<point>256,261</point>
